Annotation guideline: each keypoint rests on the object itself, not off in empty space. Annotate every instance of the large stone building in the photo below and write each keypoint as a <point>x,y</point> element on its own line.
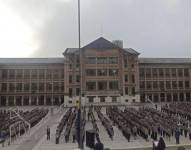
<point>105,72</point>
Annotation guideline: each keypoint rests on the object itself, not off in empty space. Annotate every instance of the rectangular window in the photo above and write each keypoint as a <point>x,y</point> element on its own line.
<point>149,84</point>
<point>180,84</point>
<point>114,99</point>
<point>168,85</point>
<point>41,87</point>
<point>70,92</point>
<point>62,74</point>
<point>113,85</point>
<point>4,74</point>
<point>180,72</point>
<point>125,62</point>
<point>155,72</point>
<point>49,74</point>
<point>90,86</point>
<point>77,78</point>
<point>41,74</point>
<point>49,86</point>
<point>113,72</point>
<point>133,91</point>
<point>102,99</point>
<point>91,60</point>
<point>62,86</point>
<point>19,74</point>
<point>142,72</point>
<point>173,72</point>
<point>186,72</point>
<point>34,73</point>
<point>102,72</point>
<point>11,87</point>
<point>102,60</point>
<point>26,73</point>
<point>174,84</point>
<point>113,60</point>
<point>70,78</point>
<point>77,91</point>
<point>4,87</point>
<point>133,78</point>
<point>126,91</point>
<point>19,87</point>
<point>126,78</point>
<point>102,85</point>
<point>34,86</point>
<point>187,84</point>
<point>55,74</point>
<point>91,72</point>
<point>155,84</point>
<point>11,74</point>
<point>26,87</point>
<point>148,72</point>
<point>56,86</point>
<point>142,84</point>
<point>161,84</point>
<point>161,72</point>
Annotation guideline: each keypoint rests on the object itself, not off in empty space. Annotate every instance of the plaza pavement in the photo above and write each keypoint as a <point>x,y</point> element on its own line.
<point>36,140</point>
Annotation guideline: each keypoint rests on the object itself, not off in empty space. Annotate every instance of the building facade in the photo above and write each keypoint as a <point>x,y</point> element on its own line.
<point>104,72</point>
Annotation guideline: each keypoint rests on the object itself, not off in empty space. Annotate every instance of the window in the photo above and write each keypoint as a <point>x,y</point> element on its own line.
<point>155,72</point>
<point>102,99</point>
<point>90,86</point>
<point>4,74</point>
<point>155,84</point>
<point>167,72</point>
<point>142,72</point>
<point>91,99</point>
<point>133,78</point>
<point>162,97</point>
<point>55,74</point>
<point>161,85</point>
<point>91,60</point>
<point>186,72</point>
<point>48,74</point>
<point>181,96</point>
<point>56,86</point>
<point>173,72</point>
<point>41,86</point>
<point>149,84</point>
<point>41,74</point>
<point>180,72</point>
<point>168,97</point>
<point>168,85</point>
<point>77,78</point>
<point>113,60</point>
<point>11,74</point>
<point>187,96</point>
<point>62,86</point>
<point>161,72</point>
<point>77,91</point>
<point>174,84</point>
<point>19,74</point>
<point>34,73</point>
<point>113,72</point>
<point>49,86</point>
<point>102,72</point>
<point>133,91</point>
<point>26,87</point>
<point>126,78</point>
<point>126,91</point>
<point>70,92</point>
<point>11,87</point>
<point>180,84</point>
<point>34,86</point>
<point>26,73</point>
<point>114,99</point>
<point>102,85</point>
<point>113,85</point>
<point>142,84</point>
<point>187,84</point>
<point>148,72</point>
<point>62,74</point>
<point>125,62</point>
<point>126,100</point>
<point>19,87</point>
<point>102,60</point>
<point>4,87</point>
<point>91,72</point>
<point>70,78</point>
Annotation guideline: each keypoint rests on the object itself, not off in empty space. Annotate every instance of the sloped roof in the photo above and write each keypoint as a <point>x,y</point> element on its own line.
<point>165,60</point>
<point>100,43</point>
<point>32,60</point>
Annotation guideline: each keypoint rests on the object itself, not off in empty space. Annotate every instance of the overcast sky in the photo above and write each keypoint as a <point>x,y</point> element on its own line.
<point>45,28</point>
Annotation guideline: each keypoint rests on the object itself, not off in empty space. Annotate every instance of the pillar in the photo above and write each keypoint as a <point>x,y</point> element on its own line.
<point>37,100</point>
<point>22,100</point>
<point>29,100</point>
<point>44,99</point>
<point>14,102</point>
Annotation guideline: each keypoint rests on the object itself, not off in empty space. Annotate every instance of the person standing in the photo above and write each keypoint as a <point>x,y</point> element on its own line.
<point>177,136</point>
<point>161,144</point>
<point>48,133</point>
<point>74,134</point>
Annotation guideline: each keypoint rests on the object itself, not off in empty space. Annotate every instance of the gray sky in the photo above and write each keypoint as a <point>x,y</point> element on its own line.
<point>155,28</point>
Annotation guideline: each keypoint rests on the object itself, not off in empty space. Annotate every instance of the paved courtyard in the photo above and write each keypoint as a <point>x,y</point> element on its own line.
<point>36,139</point>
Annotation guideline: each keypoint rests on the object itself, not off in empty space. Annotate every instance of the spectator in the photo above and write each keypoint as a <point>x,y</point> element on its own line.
<point>161,144</point>
<point>48,133</point>
<point>177,136</point>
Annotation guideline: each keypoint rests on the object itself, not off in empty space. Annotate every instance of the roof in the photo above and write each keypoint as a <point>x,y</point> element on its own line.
<point>165,60</point>
<point>32,60</point>
<point>100,44</point>
<point>131,51</point>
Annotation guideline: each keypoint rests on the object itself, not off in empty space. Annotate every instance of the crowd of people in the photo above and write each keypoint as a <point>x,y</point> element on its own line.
<point>105,122</point>
<point>6,120</point>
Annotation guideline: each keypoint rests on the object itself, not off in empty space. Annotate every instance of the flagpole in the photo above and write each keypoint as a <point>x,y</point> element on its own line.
<point>80,99</point>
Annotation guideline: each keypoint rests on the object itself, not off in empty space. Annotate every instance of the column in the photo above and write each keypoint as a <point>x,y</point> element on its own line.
<point>14,101</point>
<point>59,99</point>
<point>7,102</point>
<point>44,99</point>
<point>22,100</point>
<point>37,100</point>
